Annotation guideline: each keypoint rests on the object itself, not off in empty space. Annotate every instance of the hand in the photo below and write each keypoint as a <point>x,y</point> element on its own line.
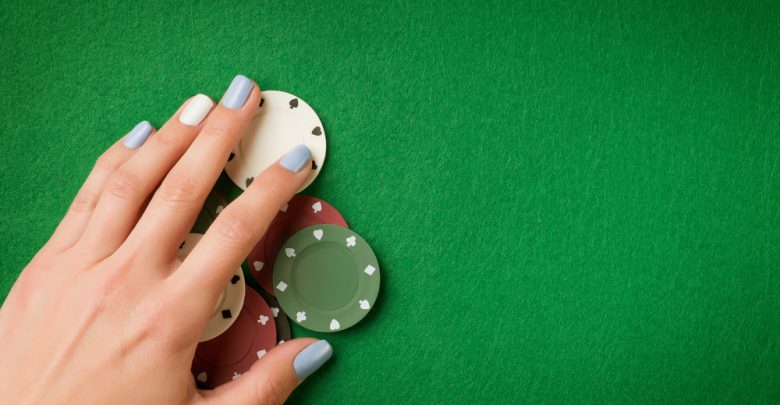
<point>107,313</point>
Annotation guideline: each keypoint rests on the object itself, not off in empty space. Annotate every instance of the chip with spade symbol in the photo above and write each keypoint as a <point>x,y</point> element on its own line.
<point>301,211</point>
<point>281,122</point>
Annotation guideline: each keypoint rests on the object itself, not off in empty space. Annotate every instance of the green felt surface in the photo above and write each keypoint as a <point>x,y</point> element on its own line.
<point>570,201</point>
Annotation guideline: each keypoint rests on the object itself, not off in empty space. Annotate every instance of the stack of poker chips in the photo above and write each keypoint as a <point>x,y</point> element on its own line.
<point>308,267</point>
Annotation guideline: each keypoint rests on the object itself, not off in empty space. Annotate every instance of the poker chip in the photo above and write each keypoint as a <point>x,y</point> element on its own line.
<point>230,302</point>
<point>281,122</point>
<point>326,278</point>
<point>283,331</point>
<point>232,353</point>
<point>300,212</point>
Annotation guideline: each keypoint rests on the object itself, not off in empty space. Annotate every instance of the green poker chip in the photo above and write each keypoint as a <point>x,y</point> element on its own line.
<point>326,278</point>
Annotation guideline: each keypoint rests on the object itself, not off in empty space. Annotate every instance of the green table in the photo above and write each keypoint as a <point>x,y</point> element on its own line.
<point>571,201</point>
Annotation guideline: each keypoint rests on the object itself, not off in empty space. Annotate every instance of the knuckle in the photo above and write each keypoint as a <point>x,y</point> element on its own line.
<point>85,201</point>
<point>107,289</point>
<point>106,162</point>
<point>173,332</point>
<point>269,181</point>
<point>235,230</point>
<point>217,131</point>
<point>180,187</point>
<point>123,184</point>
<point>270,391</point>
<point>171,137</point>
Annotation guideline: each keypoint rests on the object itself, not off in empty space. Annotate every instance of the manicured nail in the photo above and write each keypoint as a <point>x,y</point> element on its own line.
<point>237,93</point>
<point>196,110</point>
<point>296,158</point>
<point>138,135</point>
<point>311,358</point>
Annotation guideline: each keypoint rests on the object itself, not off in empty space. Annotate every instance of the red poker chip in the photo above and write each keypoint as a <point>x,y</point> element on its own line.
<point>301,212</point>
<point>283,330</point>
<point>232,353</point>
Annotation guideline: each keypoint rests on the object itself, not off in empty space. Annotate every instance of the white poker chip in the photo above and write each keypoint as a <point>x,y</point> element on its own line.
<point>281,122</point>
<point>231,300</point>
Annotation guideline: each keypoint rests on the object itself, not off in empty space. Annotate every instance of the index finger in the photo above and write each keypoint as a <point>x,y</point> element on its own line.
<point>237,229</point>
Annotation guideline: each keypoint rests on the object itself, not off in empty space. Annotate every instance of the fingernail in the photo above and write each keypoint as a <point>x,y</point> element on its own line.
<point>312,358</point>
<point>196,110</point>
<point>296,158</point>
<point>138,135</point>
<point>237,93</point>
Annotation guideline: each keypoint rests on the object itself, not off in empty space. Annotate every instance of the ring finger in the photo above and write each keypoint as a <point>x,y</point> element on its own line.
<point>76,219</point>
<point>128,188</point>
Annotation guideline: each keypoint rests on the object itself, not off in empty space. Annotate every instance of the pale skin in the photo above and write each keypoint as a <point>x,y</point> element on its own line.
<point>106,313</point>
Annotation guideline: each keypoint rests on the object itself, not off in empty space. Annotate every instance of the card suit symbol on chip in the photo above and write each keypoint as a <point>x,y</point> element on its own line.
<point>249,181</point>
<point>182,245</point>
<point>232,155</point>
<point>293,103</point>
<point>219,209</point>
<point>260,354</point>
<point>281,286</point>
<point>235,279</point>
<point>313,165</point>
<point>369,270</point>
<point>290,252</point>
<point>351,241</point>
<point>262,320</point>
<point>203,377</point>
<point>236,375</point>
<point>364,304</point>
<point>316,131</point>
<point>334,325</point>
<point>258,265</point>
<point>300,316</point>
<point>316,207</point>
<point>275,311</point>
<point>262,101</point>
<point>318,234</point>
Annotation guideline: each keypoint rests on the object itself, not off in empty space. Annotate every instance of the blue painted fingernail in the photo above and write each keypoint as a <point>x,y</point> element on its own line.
<point>237,93</point>
<point>296,158</point>
<point>311,358</point>
<point>138,135</point>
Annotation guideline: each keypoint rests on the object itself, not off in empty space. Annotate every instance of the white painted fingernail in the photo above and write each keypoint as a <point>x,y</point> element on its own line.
<point>196,110</point>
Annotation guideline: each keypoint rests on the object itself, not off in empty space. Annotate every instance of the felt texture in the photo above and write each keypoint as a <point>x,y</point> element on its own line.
<point>570,201</point>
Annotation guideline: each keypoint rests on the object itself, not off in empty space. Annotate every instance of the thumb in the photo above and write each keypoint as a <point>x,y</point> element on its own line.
<point>274,377</point>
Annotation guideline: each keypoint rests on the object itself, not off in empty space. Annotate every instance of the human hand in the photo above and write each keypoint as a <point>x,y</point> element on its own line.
<point>107,313</point>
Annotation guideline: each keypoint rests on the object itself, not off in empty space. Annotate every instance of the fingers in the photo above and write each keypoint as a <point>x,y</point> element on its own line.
<point>128,187</point>
<point>176,203</point>
<point>236,230</point>
<point>274,377</point>
<point>75,221</point>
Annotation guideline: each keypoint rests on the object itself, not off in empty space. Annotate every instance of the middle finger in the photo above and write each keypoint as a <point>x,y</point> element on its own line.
<point>176,203</point>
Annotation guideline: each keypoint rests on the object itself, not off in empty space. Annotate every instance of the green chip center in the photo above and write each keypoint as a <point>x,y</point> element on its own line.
<point>325,276</point>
